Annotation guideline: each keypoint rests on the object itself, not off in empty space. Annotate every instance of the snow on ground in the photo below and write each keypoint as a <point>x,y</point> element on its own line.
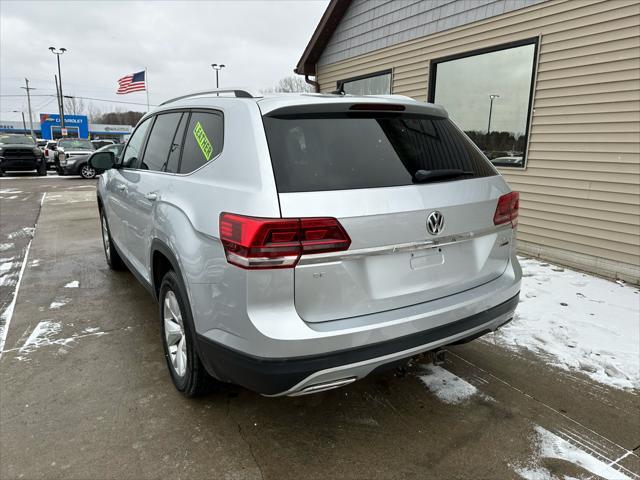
<point>44,334</point>
<point>5,266</point>
<point>25,232</point>
<point>74,284</point>
<point>577,322</point>
<point>41,335</point>
<point>446,386</point>
<point>58,303</point>
<point>553,446</point>
<point>5,246</point>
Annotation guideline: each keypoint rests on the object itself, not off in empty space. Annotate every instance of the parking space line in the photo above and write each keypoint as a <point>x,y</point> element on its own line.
<point>7,315</point>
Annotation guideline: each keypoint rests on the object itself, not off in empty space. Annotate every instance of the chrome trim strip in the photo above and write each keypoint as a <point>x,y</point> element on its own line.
<point>312,259</point>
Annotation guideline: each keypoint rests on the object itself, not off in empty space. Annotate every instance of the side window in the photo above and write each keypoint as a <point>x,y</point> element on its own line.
<point>203,140</point>
<point>156,154</point>
<point>130,158</point>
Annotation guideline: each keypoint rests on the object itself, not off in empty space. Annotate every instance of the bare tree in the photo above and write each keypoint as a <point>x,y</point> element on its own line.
<point>291,84</point>
<point>74,105</point>
<point>93,112</point>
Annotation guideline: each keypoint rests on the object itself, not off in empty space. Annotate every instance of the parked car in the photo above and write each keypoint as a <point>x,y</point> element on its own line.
<point>41,143</point>
<point>298,243</point>
<point>49,153</point>
<point>20,153</point>
<point>102,143</point>
<point>81,165</point>
<point>71,152</point>
<point>507,161</point>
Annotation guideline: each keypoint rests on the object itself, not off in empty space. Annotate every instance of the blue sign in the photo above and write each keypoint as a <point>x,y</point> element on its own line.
<point>77,126</point>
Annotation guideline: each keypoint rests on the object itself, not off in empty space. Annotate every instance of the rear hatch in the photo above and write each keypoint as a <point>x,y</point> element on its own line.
<point>415,196</point>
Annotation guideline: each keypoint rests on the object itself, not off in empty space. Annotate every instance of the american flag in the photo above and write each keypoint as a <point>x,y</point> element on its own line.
<point>131,83</point>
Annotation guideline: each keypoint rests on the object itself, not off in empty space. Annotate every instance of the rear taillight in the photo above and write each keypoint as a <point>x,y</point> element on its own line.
<point>252,242</point>
<point>507,209</point>
<point>46,152</point>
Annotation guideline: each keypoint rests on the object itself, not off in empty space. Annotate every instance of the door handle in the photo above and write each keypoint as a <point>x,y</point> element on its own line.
<point>120,187</point>
<point>151,196</point>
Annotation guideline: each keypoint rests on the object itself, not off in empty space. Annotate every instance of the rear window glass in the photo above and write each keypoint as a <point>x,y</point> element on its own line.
<point>355,150</point>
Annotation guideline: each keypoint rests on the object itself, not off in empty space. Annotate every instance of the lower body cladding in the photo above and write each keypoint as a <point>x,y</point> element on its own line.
<point>314,373</point>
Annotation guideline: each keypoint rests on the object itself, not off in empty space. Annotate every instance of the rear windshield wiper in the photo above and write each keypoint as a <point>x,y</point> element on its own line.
<point>424,176</point>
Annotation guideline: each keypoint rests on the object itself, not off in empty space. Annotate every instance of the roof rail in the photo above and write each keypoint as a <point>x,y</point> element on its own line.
<point>239,93</point>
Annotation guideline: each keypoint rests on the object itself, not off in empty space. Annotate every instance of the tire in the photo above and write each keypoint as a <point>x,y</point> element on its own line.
<point>178,340</point>
<point>111,254</point>
<point>87,171</point>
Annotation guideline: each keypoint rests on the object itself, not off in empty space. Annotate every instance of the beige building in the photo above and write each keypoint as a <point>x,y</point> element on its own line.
<point>549,89</point>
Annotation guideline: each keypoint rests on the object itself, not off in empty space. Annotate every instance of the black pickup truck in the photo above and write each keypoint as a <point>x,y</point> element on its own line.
<point>20,153</point>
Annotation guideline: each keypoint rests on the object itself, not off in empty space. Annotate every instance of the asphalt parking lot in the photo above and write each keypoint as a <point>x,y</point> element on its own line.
<point>85,392</point>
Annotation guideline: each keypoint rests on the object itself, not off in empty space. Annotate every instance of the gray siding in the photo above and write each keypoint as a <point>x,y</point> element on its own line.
<point>369,25</point>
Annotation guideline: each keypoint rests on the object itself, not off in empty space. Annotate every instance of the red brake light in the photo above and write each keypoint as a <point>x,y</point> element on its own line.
<point>46,152</point>
<point>251,242</point>
<point>507,209</point>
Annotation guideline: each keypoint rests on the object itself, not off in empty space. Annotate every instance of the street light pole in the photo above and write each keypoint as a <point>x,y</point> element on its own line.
<point>217,69</point>
<point>491,98</point>
<point>57,53</point>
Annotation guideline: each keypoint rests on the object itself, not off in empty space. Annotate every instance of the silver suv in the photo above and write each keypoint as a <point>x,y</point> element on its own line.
<point>297,243</point>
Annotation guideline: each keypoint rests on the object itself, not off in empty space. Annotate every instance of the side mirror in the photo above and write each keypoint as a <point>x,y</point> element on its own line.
<point>102,160</point>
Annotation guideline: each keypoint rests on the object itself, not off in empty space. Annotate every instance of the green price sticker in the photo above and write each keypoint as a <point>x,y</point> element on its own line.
<point>203,141</point>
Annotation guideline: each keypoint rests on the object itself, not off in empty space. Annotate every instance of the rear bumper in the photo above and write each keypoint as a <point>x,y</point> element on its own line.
<point>304,374</point>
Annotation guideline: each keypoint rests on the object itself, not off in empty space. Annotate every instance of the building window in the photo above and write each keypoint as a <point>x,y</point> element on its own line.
<point>378,83</point>
<point>488,94</point>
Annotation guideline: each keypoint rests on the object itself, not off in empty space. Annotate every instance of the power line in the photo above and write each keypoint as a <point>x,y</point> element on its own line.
<point>84,98</point>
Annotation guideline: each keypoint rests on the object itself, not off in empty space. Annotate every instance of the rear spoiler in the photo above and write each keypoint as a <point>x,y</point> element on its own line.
<point>359,106</point>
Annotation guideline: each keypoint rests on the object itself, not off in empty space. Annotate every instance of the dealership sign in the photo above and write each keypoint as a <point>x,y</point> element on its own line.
<point>75,126</point>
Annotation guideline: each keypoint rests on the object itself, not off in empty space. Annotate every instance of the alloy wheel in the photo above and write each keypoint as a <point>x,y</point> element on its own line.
<point>174,335</point>
<point>87,171</point>
<point>105,237</point>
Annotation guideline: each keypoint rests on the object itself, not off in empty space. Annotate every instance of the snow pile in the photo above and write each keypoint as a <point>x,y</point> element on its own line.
<point>446,386</point>
<point>552,446</point>
<point>74,284</point>
<point>579,322</point>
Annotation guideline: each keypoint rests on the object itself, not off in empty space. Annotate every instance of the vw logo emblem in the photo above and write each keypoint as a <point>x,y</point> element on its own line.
<point>435,223</point>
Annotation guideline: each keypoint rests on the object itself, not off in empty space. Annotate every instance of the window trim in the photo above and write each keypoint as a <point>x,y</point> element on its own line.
<point>535,41</point>
<point>388,71</point>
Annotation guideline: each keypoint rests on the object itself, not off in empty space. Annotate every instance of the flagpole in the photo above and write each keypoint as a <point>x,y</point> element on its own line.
<point>146,81</point>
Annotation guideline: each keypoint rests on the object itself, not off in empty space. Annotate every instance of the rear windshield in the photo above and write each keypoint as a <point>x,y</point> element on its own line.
<point>345,151</point>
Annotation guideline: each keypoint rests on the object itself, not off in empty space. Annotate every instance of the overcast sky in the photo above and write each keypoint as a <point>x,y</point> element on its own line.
<point>260,42</point>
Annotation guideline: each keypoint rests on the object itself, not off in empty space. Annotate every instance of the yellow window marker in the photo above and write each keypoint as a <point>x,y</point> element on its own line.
<point>203,141</point>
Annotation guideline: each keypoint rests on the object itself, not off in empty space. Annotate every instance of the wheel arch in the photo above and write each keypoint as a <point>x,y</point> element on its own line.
<point>162,260</point>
